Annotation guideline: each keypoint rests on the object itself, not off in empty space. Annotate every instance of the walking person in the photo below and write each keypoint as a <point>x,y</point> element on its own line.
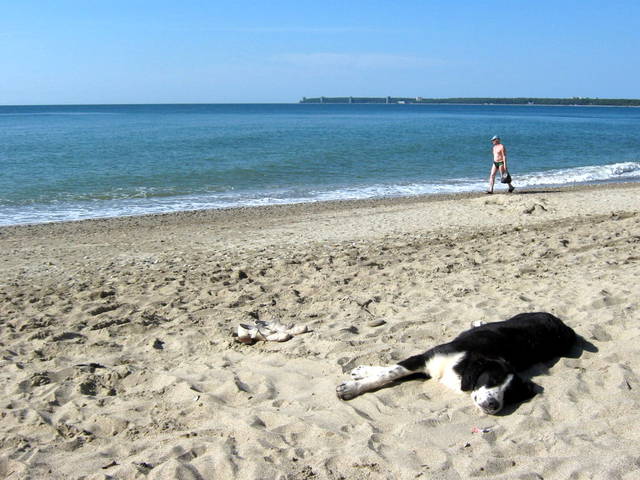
<point>499,164</point>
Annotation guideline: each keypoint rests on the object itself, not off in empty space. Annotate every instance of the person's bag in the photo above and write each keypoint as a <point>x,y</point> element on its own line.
<point>505,177</point>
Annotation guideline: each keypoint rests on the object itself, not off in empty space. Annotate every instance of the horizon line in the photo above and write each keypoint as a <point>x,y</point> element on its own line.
<point>307,98</point>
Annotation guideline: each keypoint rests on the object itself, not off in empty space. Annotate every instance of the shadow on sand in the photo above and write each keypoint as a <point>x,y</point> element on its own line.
<point>580,346</point>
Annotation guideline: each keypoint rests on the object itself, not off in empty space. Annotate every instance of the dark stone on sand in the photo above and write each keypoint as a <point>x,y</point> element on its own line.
<point>103,309</point>
<point>351,329</point>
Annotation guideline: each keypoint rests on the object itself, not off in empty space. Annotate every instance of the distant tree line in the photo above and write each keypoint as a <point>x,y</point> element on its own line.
<point>623,102</point>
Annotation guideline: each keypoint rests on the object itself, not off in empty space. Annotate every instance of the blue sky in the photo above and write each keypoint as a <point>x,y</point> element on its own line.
<point>135,51</point>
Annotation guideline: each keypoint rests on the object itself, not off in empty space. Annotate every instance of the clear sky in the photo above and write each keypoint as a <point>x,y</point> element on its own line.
<point>188,51</point>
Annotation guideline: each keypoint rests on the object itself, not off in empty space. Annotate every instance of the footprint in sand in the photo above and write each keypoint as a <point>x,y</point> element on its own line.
<point>606,300</point>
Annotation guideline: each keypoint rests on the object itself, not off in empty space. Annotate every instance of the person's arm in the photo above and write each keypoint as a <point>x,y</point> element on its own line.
<point>504,156</point>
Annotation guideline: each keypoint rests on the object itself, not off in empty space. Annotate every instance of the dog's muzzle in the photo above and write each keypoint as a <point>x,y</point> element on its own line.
<point>490,406</point>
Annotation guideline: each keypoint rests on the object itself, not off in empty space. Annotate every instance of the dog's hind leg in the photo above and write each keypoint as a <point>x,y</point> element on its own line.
<point>366,378</point>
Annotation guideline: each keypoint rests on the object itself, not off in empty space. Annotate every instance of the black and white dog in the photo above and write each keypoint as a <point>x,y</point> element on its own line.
<point>483,361</point>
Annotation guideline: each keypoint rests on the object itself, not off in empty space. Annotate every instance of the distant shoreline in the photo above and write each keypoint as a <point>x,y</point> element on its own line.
<point>527,101</point>
<point>551,102</point>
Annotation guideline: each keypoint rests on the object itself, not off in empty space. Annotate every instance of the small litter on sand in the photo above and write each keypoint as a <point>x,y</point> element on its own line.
<point>268,332</point>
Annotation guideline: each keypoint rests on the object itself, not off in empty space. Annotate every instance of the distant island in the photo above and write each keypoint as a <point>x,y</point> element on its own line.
<point>585,101</point>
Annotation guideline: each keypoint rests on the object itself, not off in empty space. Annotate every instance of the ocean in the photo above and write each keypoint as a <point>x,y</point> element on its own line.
<point>63,163</point>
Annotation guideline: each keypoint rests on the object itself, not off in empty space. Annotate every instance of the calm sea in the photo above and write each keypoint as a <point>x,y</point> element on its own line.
<point>75,162</point>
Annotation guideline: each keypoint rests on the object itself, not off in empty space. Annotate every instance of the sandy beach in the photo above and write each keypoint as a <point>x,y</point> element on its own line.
<point>119,360</point>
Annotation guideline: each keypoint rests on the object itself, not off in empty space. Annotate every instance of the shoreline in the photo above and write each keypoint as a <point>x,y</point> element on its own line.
<point>118,355</point>
<point>284,210</point>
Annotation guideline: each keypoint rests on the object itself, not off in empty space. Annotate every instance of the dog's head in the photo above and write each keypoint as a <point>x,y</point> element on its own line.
<point>493,383</point>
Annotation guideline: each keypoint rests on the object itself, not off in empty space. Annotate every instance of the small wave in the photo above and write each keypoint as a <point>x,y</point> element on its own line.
<point>626,171</point>
<point>142,203</point>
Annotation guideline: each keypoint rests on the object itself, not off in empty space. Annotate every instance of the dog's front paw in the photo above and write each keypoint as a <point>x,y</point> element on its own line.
<point>347,390</point>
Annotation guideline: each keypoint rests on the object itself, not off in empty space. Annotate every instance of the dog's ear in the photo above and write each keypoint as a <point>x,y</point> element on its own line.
<point>469,377</point>
<point>470,369</point>
<point>493,370</point>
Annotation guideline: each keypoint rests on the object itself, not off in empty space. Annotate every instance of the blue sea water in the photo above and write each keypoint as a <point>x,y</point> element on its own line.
<point>75,162</point>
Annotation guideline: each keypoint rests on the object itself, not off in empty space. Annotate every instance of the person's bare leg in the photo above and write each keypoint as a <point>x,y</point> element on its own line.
<point>492,178</point>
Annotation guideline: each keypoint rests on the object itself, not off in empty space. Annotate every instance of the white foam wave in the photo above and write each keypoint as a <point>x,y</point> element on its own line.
<point>626,171</point>
<point>69,211</point>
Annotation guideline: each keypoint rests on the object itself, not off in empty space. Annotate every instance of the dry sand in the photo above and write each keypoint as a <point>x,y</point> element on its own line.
<point>118,359</point>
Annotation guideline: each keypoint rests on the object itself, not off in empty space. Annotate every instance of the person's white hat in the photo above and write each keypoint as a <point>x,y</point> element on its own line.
<point>495,137</point>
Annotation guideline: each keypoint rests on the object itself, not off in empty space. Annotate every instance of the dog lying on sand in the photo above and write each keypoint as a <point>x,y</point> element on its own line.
<point>482,361</point>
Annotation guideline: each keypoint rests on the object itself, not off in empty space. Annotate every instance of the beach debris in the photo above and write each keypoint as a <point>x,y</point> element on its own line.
<point>376,322</point>
<point>268,332</point>
<point>112,464</point>
<point>352,329</point>
<point>481,430</point>
<point>90,367</point>
<point>143,467</point>
<point>535,208</point>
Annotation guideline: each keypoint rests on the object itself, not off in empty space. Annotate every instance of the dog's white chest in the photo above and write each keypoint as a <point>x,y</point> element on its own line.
<point>440,368</point>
